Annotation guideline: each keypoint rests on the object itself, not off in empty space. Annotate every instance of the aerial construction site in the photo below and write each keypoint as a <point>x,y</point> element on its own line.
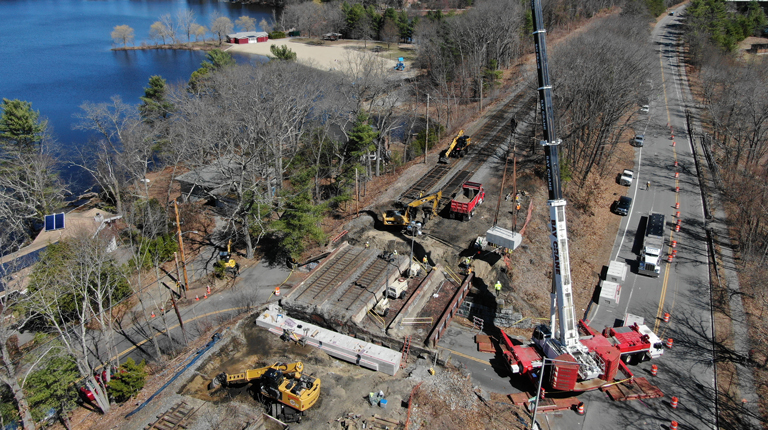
<point>365,335</point>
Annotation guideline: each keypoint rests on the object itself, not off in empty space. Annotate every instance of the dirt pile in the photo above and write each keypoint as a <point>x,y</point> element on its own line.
<point>447,400</point>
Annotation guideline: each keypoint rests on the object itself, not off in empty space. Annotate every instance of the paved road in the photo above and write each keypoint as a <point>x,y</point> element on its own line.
<point>254,287</point>
<point>685,371</point>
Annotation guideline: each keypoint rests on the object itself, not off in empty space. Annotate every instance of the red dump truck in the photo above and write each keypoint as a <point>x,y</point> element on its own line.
<point>463,204</point>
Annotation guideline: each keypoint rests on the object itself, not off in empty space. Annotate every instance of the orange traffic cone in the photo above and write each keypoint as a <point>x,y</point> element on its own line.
<point>669,346</point>
<point>673,142</point>
<point>677,189</point>
<point>197,297</point>
<point>677,174</point>
<point>673,403</point>
<point>675,163</point>
<point>153,314</point>
<point>580,409</point>
<point>666,316</point>
<point>277,291</point>
<point>208,289</point>
<point>654,369</point>
<point>673,425</point>
<point>205,296</point>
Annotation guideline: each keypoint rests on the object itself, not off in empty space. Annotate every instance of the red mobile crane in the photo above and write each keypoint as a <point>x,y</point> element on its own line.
<point>579,363</point>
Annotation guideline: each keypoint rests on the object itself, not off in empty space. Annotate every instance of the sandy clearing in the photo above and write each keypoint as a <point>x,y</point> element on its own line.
<point>322,57</point>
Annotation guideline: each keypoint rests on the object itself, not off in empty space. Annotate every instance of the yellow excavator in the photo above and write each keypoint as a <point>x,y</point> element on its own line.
<point>403,217</point>
<point>457,148</point>
<point>286,391</point>
<point>230,265</point>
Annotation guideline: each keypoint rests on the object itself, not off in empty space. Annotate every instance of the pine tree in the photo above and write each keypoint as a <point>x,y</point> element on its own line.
<point>129,381</point>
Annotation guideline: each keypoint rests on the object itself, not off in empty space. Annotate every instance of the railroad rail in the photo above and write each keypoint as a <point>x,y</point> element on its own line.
<point>487,141</point>
<point>370,276</point>
<point>332,274</point>
<point>174,418</point>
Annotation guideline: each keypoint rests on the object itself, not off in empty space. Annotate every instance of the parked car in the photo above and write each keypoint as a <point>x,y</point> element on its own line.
<point>639,140</point>
<point>625,177</point>
<point>622,206</point>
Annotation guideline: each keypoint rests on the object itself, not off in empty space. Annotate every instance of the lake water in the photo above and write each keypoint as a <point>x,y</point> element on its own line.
<point>56,54</point>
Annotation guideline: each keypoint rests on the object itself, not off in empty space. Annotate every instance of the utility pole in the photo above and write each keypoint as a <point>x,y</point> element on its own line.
<point>357,195</point>
<point>178,315</point>
<point>181,248</point>
<point>178,275</point>
<point>426,137</point>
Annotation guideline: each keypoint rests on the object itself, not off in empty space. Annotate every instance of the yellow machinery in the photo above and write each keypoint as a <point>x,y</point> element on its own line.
<point>403,217</point>
<point>457,148</point>
<point>230,265</point>
<point>289,393</point>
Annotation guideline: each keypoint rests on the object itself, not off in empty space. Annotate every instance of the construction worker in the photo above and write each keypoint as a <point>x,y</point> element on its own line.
<point>498,288</point>
<point>426,262</point>
<point>648,185</point>
<point>367,245</point>
<point>517,207</point>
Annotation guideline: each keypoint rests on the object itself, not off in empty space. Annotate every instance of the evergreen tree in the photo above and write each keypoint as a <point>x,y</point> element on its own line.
<point>21,128</point>
<point>361,137</point>
<point>282,53</point>
<point>154,106</point>
<point>51,387</point>
<point>129,380</point>
<point>216,59</point>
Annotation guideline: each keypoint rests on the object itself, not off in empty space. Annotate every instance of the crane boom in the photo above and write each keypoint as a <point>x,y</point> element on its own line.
<point>562,292</point>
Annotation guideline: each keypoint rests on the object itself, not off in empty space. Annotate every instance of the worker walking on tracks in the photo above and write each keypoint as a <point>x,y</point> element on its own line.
<point>427,267</point>
<point>498,288</point>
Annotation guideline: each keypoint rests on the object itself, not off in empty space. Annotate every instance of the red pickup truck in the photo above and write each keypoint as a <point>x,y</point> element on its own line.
<point>463,204</point>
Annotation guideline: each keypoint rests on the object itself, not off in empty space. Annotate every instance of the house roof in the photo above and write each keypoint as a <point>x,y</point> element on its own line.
<point>248,34</point>
<point>213,175</point>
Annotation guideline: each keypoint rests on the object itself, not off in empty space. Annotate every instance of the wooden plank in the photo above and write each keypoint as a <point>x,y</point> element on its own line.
<point>482,338</point>
<point>486,347</point>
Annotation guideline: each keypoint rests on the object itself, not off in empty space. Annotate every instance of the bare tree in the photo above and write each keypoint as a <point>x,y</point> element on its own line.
<point>266,25</point>
<point>70,297</point>
<point>390,33</point>
<point>171,29</point>
<point>103,158</point>
<point>246,23</point>
<point>123,34</point>
<point>601,76</point>
<point>10,368</point>
<point>185,20</point>
<point>221,26</point>
<point>199,31</point>
<point>158,31</point>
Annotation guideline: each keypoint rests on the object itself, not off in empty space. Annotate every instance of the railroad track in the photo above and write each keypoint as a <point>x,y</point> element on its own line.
<point>333,273</point>
<point>369,277</point>
<point>173,418</point>
<point>429,180</point>
<point>487,141</point>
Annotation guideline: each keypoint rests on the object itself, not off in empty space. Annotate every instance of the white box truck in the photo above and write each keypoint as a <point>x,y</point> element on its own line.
<point>653,246</point>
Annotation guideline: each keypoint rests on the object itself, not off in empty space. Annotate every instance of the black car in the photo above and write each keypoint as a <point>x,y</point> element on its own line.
<point>622,205</point>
